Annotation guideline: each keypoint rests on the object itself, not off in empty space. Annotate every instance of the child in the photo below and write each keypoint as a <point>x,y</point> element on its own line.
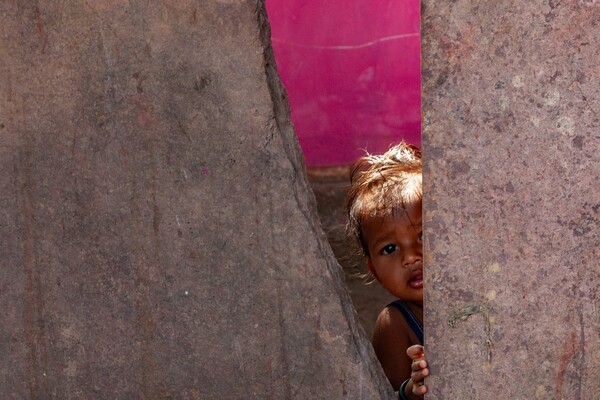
<point>384,210</point>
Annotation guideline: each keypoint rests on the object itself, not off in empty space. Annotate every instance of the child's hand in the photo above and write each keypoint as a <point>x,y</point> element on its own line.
<point>419,369</point>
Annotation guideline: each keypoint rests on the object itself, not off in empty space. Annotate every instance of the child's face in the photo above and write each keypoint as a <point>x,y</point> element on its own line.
<point>396,252</point>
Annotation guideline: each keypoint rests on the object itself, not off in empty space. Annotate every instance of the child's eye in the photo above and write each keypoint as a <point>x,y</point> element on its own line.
<point>389,249</point>
<point>420,237</point>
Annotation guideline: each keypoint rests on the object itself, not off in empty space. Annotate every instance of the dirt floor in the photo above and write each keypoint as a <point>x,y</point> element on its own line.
<point>330,186</point>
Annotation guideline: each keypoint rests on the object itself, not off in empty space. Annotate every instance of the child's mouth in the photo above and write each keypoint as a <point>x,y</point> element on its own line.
<point>416,281</point>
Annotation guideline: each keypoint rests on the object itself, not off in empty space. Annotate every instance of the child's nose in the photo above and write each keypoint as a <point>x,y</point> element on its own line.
<point>411,257</point>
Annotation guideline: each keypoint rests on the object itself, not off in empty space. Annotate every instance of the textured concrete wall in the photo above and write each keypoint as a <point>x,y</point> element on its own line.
<point>158,236</point>
<point>511,102</point>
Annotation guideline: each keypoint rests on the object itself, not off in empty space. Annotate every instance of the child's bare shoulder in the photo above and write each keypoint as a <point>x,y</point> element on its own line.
<point>390,321</point>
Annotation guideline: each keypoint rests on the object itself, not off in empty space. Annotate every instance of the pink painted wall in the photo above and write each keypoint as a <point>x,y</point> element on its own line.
<point>352,72</point>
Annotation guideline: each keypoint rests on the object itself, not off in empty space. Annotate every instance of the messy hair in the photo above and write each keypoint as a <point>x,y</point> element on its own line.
<point>381,185</point>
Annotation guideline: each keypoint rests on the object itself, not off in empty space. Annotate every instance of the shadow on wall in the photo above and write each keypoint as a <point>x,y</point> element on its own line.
<point>330,186</point>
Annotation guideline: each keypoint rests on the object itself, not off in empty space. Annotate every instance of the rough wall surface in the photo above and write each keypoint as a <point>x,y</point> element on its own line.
<point>511,102</point>
<point>158,236</point>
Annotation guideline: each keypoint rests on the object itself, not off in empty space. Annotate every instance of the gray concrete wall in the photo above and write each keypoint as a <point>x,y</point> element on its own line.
<point>158,236</point>
<point>511,97</point>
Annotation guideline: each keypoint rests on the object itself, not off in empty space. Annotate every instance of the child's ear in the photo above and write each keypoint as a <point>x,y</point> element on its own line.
<point>372,268</point>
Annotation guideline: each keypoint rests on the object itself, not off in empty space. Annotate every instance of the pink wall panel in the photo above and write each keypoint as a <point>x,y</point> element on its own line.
<point>352,72</point>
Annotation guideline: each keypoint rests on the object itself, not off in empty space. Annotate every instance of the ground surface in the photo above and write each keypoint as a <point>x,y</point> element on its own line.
<point>330,186</point>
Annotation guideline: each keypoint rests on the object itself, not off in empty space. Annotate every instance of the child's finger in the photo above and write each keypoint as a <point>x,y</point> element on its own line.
<point>415,351</point>
<point>418,376</point>
<point>418,364</point>
<point>419,389</point>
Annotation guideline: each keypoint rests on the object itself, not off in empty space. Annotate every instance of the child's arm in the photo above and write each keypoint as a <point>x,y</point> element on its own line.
<point>419,369</point>
<point>390,341</point>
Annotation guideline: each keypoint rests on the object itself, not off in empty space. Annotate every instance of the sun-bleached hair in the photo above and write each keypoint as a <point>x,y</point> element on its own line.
<point>381,185</point>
